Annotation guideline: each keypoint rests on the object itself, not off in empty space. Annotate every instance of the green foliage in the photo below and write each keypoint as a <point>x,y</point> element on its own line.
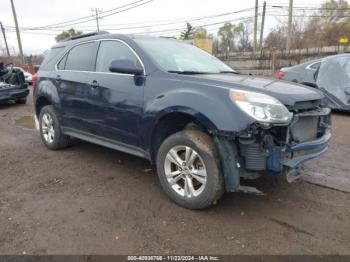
<point>188,33</point>
<point>242,32</point>
<point>235,37</point>
<point>67,34</point>
<point>226,35</point>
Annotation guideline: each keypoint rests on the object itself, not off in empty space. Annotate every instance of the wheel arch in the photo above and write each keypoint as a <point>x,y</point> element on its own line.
<point>173,120</point>
<point>40,103</point>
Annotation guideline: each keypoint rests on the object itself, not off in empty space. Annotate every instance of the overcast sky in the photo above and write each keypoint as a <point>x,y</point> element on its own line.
<point>36,13</point>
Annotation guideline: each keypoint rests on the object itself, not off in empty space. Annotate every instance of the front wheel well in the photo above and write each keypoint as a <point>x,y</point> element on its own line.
<point>40,103</point>
<point>171,124</point>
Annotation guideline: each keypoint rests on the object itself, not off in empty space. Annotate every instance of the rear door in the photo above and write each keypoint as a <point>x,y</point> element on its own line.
<point>72,81</point>
<point>116,99</point>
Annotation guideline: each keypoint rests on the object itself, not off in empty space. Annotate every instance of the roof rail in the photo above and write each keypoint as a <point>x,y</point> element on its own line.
<point>86,35</point>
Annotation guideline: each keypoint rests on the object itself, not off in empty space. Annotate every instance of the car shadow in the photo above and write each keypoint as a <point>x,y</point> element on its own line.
<point>270,185</point>
<point>9,104</point>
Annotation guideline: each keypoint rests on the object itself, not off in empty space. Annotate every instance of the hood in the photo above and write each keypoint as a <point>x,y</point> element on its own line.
<point>286,92</point>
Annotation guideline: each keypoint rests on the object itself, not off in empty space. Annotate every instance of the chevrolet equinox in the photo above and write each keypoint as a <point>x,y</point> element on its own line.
<point>205,126</point>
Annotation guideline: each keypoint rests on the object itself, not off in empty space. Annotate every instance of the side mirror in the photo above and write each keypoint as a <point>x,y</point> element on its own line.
<point>125,66</point>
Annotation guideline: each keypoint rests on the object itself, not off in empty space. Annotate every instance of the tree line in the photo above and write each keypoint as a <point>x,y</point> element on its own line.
<point>324,27</point>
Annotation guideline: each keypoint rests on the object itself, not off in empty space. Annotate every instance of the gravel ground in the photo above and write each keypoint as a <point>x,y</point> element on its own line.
<point>91,200</point>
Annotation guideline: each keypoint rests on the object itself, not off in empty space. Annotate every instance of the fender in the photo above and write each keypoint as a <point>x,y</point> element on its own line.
<point>46,89</point>
<point>212,108</point>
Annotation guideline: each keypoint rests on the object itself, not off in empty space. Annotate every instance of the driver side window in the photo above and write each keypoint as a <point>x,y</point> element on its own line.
<point>110,50</point>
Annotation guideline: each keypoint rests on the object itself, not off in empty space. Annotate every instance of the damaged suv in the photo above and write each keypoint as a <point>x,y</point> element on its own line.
<point>12,84</point>
<point>205,126</point>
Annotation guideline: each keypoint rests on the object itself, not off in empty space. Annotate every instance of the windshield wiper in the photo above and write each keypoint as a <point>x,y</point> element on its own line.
<point>188,72</point>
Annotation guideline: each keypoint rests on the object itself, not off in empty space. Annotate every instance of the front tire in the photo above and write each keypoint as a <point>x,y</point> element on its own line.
<point>188,167</point>
<point>50,129</point>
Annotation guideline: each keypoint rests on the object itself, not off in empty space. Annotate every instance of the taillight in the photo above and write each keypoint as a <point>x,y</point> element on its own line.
<point>281,74</point>
<point>34,80</point>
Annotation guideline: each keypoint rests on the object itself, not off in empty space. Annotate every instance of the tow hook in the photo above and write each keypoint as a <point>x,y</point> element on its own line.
<point>294,174</point>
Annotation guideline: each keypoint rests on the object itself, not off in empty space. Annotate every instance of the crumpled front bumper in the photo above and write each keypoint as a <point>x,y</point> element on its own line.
<point>295,155</point>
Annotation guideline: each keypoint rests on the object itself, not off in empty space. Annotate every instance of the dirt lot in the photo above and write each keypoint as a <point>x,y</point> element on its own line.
<point>92,200</point>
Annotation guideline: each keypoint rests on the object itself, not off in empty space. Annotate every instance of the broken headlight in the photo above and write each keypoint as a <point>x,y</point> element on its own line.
<point>263,108</point>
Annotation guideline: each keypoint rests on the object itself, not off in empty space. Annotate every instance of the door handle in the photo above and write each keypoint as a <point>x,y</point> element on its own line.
<point>58,78</point>
<point>94,84</point>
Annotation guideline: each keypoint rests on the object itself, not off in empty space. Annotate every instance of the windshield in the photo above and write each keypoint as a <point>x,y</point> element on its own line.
<point>175,56</point>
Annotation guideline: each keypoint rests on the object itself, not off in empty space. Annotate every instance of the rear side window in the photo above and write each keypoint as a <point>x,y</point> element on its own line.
<point>113,50</point>
<point>80,57</point>
<point>62,63</point>
<point>315,66</point>
<point>51,58</point>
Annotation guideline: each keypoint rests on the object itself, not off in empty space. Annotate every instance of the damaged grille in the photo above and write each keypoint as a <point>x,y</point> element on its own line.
<point>304,129</point>
<point>309,125</point>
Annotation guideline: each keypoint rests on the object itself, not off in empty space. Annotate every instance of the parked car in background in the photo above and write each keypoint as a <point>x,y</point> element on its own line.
<point>12,84</point>
<point>331,75</point>
<point>333,78</point>
<point>202,124</point>
<point>302,73</point>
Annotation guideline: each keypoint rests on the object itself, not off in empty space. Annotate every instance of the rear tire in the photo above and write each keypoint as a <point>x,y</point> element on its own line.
<point>188,167</point>
<point>50,129</point>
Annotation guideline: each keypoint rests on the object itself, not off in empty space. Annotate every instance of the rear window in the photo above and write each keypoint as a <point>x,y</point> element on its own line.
<point>80,57</point>
<point>51,58</point>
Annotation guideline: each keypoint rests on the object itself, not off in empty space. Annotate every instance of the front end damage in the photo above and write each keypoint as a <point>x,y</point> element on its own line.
<point>262,149</point>
<point>12,84</point>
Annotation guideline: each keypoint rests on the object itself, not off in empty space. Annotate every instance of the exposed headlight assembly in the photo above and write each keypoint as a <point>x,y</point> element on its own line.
<point>263,108</point>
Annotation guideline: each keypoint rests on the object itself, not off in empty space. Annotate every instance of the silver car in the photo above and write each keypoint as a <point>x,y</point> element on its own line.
<point>331,75</point>
<point>302,73</point>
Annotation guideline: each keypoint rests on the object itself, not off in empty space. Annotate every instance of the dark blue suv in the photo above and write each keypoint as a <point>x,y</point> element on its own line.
<point>205,126</point>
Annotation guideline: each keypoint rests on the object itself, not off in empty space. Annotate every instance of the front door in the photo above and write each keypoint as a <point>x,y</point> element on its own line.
<point>116,99</point>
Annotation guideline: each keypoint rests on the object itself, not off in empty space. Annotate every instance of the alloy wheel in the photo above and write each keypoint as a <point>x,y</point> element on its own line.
<point>47,128</point>
<point>185,171</point>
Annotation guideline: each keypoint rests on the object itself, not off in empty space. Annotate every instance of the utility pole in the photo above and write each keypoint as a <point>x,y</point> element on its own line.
<point>262,26</point>
<point>97,18</point>
<point>290,24</point>
<point>3,33</point>
<point>255,41</point>
<point>17,32</point>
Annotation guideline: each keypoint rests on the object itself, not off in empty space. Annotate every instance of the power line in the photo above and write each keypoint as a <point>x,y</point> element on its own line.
<point>169,23</point>
<point>189,19</point>
<point>170,30</point>
<point>66,23</point>
<point>103,16</point>
<point>204,25</point>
